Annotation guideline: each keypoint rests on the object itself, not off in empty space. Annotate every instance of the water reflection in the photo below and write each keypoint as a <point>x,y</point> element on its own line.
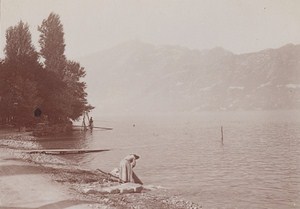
<point>74,140</point>
<point>256,167</point>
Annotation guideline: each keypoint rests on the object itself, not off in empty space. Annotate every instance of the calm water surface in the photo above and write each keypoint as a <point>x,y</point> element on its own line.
<point>257,166</point>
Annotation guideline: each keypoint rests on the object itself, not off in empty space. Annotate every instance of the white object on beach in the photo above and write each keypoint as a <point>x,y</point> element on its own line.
<point>115,172</point>
<point>121,188</point>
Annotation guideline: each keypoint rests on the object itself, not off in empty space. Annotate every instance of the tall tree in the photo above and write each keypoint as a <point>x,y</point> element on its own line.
<point>76,89</point>
<point>53,44</point>
<point>19,47</point>
<point>25,84</point>
<point>19,89</point>
<point>55,103</point>
<point>68,96</point>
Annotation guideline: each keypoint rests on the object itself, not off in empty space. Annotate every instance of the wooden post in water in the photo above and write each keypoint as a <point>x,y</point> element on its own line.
<point>222,134</point>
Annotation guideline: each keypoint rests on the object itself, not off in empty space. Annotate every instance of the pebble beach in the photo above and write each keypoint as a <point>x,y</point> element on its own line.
<point>50,181</point>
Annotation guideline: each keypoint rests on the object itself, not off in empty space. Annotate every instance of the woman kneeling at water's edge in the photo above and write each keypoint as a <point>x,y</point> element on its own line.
<point>126,165</point>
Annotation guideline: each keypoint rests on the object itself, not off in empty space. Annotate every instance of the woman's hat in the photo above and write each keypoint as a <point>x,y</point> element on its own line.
<point>136,156</point>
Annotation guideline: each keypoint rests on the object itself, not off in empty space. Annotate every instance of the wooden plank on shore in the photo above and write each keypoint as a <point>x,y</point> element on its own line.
<point>63,151</point>
<point>104,128</point>
<point>111,177</point>
<point>136,179</point>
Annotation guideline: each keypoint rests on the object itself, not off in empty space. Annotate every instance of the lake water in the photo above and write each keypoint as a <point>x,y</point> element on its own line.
<point>256,166</point>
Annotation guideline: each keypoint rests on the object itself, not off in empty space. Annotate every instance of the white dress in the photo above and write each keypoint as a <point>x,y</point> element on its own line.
<point>126,166</point>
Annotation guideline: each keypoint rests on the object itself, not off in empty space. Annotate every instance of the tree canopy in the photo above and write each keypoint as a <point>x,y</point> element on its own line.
<point>52,44</point>
<point>26,83</point>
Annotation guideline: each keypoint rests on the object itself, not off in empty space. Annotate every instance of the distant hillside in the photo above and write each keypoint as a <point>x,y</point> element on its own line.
<point>140,77</point>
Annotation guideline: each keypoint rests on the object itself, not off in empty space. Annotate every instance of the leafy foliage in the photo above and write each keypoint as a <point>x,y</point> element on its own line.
<point>54,86</point>
<point>52,44</point>
<point>17,77</point>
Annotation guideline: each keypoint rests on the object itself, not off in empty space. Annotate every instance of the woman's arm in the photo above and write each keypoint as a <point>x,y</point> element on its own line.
<point>133,163</point>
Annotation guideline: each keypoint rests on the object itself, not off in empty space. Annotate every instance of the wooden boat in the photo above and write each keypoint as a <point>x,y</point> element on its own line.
<point>114,175</point>
<point>78,127</point>
<point>63,151</point>
<point>89,124</point>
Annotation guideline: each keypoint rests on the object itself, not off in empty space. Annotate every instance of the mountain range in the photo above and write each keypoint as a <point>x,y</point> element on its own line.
<point>141,77</point>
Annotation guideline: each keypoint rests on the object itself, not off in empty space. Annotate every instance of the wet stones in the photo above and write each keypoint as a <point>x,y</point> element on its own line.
<point>121,188</point>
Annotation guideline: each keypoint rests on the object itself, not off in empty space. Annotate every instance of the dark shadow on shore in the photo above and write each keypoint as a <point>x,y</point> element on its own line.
<point>59,205</point>
<point>9,170</point>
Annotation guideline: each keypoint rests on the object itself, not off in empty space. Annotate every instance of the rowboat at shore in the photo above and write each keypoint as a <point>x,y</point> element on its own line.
<point>79,127</point>
<point>63,151</point>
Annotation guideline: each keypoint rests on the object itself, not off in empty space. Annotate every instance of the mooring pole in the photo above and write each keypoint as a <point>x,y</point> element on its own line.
<point>222,134</point>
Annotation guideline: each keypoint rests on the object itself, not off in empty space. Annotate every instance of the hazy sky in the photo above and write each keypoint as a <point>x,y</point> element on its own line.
<point>92,25</point>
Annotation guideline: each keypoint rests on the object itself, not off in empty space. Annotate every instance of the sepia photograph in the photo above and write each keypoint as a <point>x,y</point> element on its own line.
<point>149,104</point>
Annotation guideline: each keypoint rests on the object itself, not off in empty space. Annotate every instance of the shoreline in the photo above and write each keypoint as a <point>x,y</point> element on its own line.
<point>55,182</point>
